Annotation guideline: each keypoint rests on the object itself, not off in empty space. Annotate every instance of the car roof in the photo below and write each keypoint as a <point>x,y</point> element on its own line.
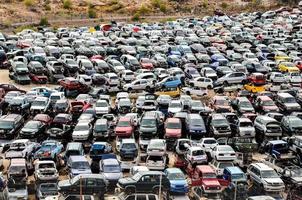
<point>234,170</point>
<point>277,142</point>
<point>110,161</point>
<point>77,158</point>
<point>173,120</point>
<point>205,168</point>
<point>284,95</point>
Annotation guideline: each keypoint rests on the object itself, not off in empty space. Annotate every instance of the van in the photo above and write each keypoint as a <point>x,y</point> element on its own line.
<point>78,165</point>
<point>101,129</point>
<point>74,149</point>
<point>234,174</point>
<point>287,103</point>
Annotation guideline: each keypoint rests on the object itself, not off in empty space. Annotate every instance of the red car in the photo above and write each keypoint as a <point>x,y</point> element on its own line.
<point>257,79</point>
<point>124,127</point>
<point>96,57</point>
<point>146,63</point>
<point>173,128</point>
<point>42,79</point>
<point>205,176</point>
<point>77,107</point>
<point>70,83</point>
<point>46,119</point>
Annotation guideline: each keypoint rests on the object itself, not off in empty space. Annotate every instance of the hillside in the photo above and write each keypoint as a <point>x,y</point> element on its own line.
<point>18,11</point>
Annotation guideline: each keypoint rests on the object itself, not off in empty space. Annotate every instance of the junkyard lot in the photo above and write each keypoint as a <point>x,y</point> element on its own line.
<point>5,79</point>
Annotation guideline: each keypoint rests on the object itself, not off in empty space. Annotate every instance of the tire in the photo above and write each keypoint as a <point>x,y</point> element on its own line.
<point>209,87</point>
<point>192,84</point>
<point>147,87</point>
<point>187,93</point>
<point>155,190</point>
<point>225,83</point>
<point>129,89</point>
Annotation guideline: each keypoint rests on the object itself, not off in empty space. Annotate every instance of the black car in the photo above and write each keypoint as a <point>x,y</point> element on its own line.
<point>33,129</point>
<point>291,175</point>
<point>10,125</point>
<point>144,182</point>
<point>85,184</point>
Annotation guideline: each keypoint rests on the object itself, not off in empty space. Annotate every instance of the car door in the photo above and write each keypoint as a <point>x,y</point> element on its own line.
<point>200,82</point>
<point>91,186</point>
<point>145,183</point>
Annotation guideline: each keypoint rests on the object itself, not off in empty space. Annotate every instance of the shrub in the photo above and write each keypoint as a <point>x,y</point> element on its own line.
<point>136,16</point>
<point>156,3</point>
<point>47,7</point>
<point>67,4</point>
<point>224,5</point>
<point>43,21</point>
<point>163,7</point>
<point>205,4</point>
<point>91,13</point>
<point>29,3</point>
<point>143,9</point>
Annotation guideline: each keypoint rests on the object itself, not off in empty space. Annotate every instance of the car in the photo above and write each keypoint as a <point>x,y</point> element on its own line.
<point>78,164</point>
<point>102,107</point>
<point>82,131</point>
<point>128,149</point>
<point>98,185</point>
<point>195,126</point>
<point>21,148</point>
<point>19,105</point>
<point>207,143</point>
<point>223,153</point>
<point>196,91</point>
<point>46,189</point>
<point>244,127</point>
<point>99,149</point>
<point>287,103</point>
<point>287,67</point>
<point>46,171</point>
<point>265,104</point>
<point>50,149</point>
<point>9,96</point>
<point>219,125</point>
<point>201,82</point>
<point>232,78</point>
<point>219,166</point>
<point>171,91</point>
<point>111,170</point>
<point>169,82</point>
<point>291,125</point>
<point>33,129</point>
<point>178,182</point>
<point>265,177</point>
<point>221,104</point>
<point>148,181</point>
<point>196,155</point>
<point>138,84</point>
<point>10,125</point>
<point>124,127</point>
<point>40,105</point>
<point>157,147</point>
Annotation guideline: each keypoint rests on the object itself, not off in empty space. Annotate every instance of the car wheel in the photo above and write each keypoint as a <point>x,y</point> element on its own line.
<point>156,190</point>
<point>187,93</point>
<point>192,84</point>
<point>209,87</point>
<point>225,83</point>
<point>129,89</point>
<point>129,190</point>
<point>147,87</point>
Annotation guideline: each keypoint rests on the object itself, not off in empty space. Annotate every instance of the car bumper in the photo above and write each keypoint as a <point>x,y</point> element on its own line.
<point>80,137</point>
<point>179,189</point>
<point>226,158</point>
<point>275,189</point>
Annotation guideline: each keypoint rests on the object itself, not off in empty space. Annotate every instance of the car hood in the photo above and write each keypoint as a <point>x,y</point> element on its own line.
<point>174,110</point>
<point>113,175</point>
<point>273,180</point>
<point>270,108</point>
<point>28,130</point>
<point>64,183</point>
<point>126,129</point>
<point>37,107</point>
<point>247,129</point>
<point>80,171</point>
<point>148,129</point>
<point>80,132</point>
<point>178,182</point>
<point>126,181</point>
<point>14,154</point>
<point>210,182</point>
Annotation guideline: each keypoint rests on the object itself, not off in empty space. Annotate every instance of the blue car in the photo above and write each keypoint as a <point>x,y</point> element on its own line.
<point>99,150</point>
<point>219,59</point>
<point>169,82</point>
<point>178,182</point>
<point>49,149</point>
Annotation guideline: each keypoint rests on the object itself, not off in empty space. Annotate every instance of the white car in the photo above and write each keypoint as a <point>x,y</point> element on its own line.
<point>277,77</point>
<point>85,79</point>
<point>163,99</point>
<point>201,82</point>
<point>293,77</point>
<point>40,105</point>
<point>223,152</point>
<point>81,132</point>
<point>196,155</point>
<point>102,107</point>
<point>156,162</point>
<point>20,148</point>
<point>46,170</point>
<point>197,91</point>
<point>11,95</point>
<point>175,106</point>
<point>140,84</point>
<point>156,147</point>
<point>219,166</point>
<point>207,144</point>
<point>232,78</point>
<point>127,75</point>
<point>208,73</point>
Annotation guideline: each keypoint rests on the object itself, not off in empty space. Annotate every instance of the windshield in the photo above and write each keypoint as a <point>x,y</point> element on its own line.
<point>16,101</point>
<point>246,124</point>
<point>100,127</point>
<point>16,169</point>
<point>148,123</point>
<point>112,168</point>
<point>246,104</point>
<point>295,122</point>
<point>176,176</point>
<point>197,122</point>
<point>101,104</point>
<point>83,127</point>
<point>222,102</point>
<point>268,103</point>
<point>80,165</point>
<point>209,175</point>
<point>46,165</point>
<point>219,122</point>
<point>269,174</point>
<point>175,105</point>
<point>197,153</point>
<point>173,125</point>
<point>289,100</point>
<point>6,124</point>
<point>225,164</point>
<point>124,124</point>
<point>31,125</point>
<point>128,146</point>
<point>39,103</point>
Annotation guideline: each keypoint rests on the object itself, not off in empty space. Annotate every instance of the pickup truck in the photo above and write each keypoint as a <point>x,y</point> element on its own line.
<point>277,165</point>
<point>279,149</point>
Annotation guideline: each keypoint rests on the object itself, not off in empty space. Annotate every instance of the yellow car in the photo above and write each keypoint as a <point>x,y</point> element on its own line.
<point>172,92</point>
<point>254,89</point>
<point>288,67</point>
